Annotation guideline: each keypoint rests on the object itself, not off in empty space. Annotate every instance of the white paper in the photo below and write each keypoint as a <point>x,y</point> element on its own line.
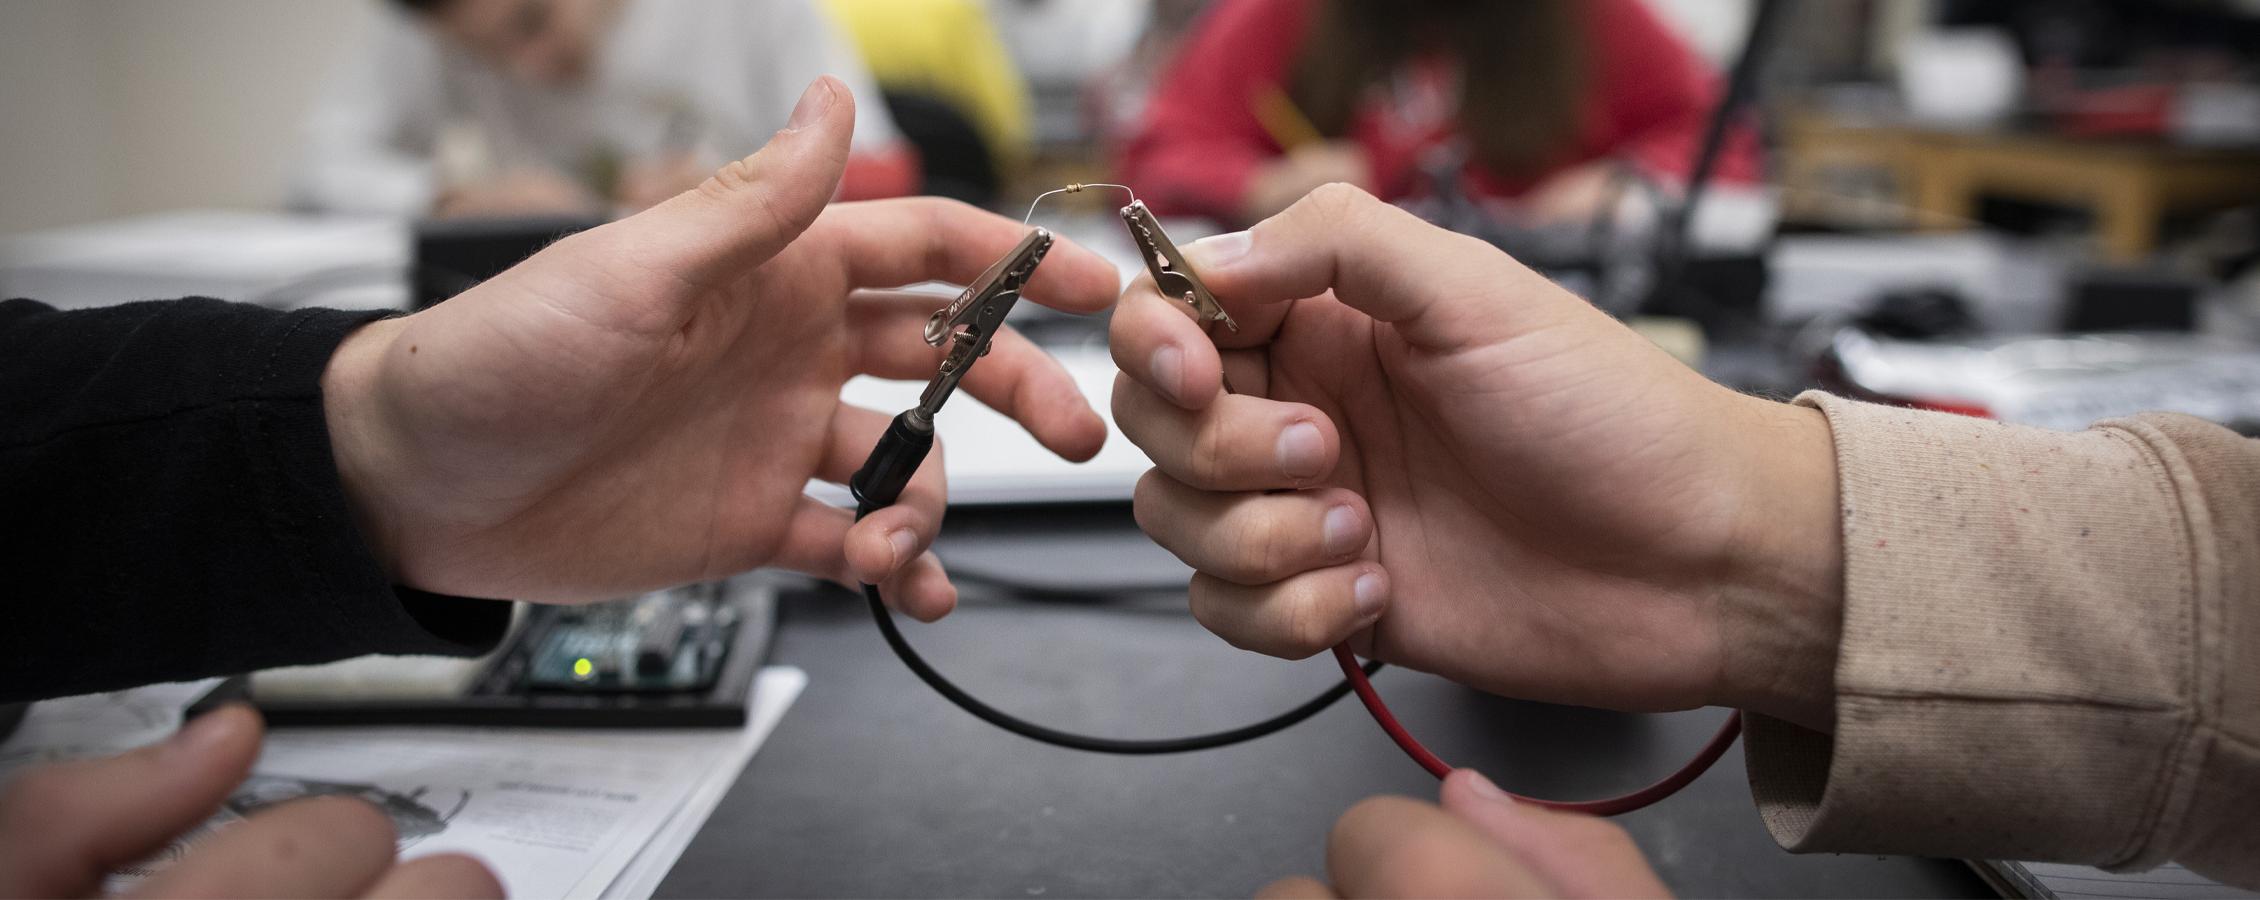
<point>554,813</point>
<point>651,865</point>
<point>2168,882</point>
<point>91,725</point>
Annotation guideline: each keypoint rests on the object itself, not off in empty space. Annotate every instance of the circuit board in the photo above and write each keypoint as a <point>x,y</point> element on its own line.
<point>662,642</point>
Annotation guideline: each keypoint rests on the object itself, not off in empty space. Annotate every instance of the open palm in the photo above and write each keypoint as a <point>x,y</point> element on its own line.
<point>642,404</point>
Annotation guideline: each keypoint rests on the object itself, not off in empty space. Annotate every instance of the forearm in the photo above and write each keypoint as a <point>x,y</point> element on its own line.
<point>2040,651</point>
<point>172,507</point>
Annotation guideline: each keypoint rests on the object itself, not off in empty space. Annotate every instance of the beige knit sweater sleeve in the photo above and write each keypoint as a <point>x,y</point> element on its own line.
<point>2051,647</point>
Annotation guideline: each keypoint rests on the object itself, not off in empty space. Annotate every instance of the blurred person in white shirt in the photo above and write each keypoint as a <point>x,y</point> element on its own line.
<point>579,107</point>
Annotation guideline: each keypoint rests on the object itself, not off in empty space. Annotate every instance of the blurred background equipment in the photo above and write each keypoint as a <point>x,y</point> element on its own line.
<point>951,87</point>
<point>683,657</point>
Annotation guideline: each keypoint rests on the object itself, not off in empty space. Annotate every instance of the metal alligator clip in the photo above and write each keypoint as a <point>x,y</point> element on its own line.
<point>1171,274</point>
<point>971,320</point>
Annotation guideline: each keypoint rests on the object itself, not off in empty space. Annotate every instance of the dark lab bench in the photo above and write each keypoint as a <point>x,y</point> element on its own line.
<point>874,787</point>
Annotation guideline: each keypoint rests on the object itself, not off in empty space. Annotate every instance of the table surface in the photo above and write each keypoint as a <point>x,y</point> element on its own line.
<point>875,786</point>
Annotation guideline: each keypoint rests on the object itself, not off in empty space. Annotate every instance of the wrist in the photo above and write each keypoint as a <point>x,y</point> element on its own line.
<point>1782,607</point>
<point>353,414</point>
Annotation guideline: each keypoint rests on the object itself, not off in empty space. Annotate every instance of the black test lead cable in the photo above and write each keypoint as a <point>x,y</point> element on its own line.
<point>966,326</point>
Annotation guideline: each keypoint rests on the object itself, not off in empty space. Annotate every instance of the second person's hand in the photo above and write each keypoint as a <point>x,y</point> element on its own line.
<point>64,827</point>
<point>1476,842</point>
<point>1460,467</point>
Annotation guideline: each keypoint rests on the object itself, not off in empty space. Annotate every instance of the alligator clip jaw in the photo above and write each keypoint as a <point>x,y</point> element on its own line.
<point>969,322</point>
<point>1172,275</point>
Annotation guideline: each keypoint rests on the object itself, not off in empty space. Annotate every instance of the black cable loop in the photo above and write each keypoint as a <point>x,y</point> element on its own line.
<point>1119,746</point>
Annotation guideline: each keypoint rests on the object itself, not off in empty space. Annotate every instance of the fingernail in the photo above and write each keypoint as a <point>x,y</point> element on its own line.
<point>206,732</point>
<point>1341,529</point>
<point>1217,251</point>
<point>1484,789</point>
<point>904,544</point>
<point>1301,451</point>
<point>1369,591</point>
<point>814,103</point>
<point>1169,370</point>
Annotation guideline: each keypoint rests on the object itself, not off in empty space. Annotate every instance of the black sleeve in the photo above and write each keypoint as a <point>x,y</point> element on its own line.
<point>169,508</point>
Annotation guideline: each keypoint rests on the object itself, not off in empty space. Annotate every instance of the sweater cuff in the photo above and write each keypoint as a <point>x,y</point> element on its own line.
<point>308,514</point>
<point>1988,704</point>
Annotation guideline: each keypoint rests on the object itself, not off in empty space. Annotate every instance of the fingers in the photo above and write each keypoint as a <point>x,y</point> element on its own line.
<point>890,538</point>
<point>1252,538</point>
<point>1581,855</point>
<point>921,590</point>
<point>65,826</point>
<point>438,877</point>
<point>816,537</point>
<point>1443,291</point>
<point>1237,443</point>
<point>751,208</point>
<point>1016,379</point>
<point>890,243</point>
<point>1156,342</point>
<point>1295,617</point>
<point>318,847</point>
<point>889,547</point>
<point>1399,847</point>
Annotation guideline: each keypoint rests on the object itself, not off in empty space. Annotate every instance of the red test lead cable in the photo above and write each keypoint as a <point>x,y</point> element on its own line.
<point>1359,683</point>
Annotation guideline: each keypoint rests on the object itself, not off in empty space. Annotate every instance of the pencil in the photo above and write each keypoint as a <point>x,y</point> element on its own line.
<point>1282,119</point>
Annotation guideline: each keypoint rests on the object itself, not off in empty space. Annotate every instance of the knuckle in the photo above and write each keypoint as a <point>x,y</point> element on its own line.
<point>1201,597</point>
<point>942,210</point>
<point>1154,509</point>
<point>1145,501</point>
<point>733,177</point>
<point>1305,629</point>
<point>1207,463</point>
<point>1260,546</point>
<point>1336,200</point>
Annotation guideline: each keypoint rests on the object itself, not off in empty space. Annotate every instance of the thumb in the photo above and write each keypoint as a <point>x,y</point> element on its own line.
<point>66,826</point>
<point>1581,855</point>
<point>743,214</point>
<point>1442,291</point>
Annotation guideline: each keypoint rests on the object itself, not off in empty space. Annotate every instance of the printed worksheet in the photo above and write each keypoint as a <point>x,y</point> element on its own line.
<point>555,813</point>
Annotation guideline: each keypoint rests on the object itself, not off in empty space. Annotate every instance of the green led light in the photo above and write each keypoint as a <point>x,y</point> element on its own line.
<point>582,667</point>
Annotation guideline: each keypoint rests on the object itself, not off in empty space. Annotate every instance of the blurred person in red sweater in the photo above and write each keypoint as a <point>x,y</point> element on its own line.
<point>1533,106</point>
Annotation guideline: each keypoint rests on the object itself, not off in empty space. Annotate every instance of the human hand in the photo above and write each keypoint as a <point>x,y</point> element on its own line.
<point>1279,182</point>
<point>641,404</point>
<point>644,183</point>
<point>1460,467</point>
<point>65,827</point>
<point>1479,843</point>
<point>519,192</point>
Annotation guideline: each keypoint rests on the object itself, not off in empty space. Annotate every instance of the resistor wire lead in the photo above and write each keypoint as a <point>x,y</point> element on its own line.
<point>1075,188</point>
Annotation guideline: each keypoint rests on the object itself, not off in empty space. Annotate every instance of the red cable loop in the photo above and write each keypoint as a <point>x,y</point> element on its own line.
<point>1607,807</point>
